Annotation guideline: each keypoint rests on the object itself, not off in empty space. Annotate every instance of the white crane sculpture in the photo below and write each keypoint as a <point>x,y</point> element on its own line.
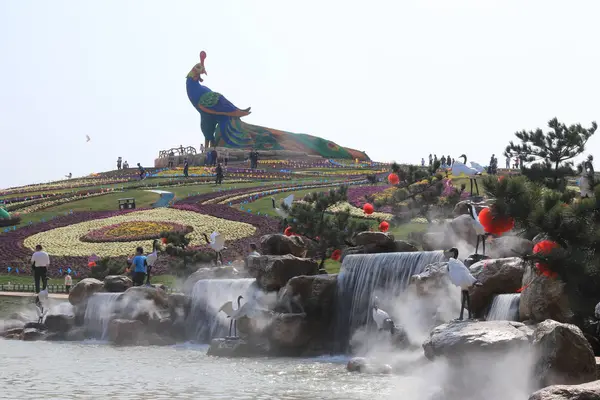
<point>460,168</point>
<point>217,243</point>
<point>461,276</point>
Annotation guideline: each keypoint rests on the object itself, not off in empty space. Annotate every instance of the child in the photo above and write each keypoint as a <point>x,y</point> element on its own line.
<point>139,265</point>
<point>68,282</point>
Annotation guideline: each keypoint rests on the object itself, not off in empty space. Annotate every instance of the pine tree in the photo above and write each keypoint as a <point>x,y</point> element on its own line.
<point>329,231</point>
<point>551,152</point>
<point>573,223</point>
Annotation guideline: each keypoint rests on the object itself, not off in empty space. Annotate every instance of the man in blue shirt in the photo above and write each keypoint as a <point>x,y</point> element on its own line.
<point>139,265</point>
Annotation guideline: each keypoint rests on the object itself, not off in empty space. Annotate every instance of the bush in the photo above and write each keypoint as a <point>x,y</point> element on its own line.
<point>177,239</point>
<point>107,266</point>
<point>10,221</point>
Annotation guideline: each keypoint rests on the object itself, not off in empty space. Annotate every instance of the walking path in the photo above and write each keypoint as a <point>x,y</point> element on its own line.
<point>31,294</point>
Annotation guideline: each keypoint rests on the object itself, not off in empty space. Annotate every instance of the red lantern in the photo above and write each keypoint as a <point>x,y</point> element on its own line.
<point>288,231</point>
<point>495,226</point>
<point>500,178</point>
<point>368,208</point>
<point>164,240</point>
<point>91,264</point>
<point>545,247</point>
<point>384,226</point>
<point>336,255</point>
<point>393,179</point>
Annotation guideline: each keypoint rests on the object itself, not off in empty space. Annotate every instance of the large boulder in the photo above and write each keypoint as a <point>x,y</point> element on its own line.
<point>32,334</point>
<point>565,356</point>
<point>402,246</point>
<point>273,272</point>
<point>463,338</point>
<point>158,296</point>
<point>509,246</point>
<point>314,295</point>
<point>543,298</point>
<point>280,245</point>
<point>84,289</point>
<point>179,305</point>
<point>210,273</point>
<point>498,276</point>
<point>463,229</point>
<point>379,239</point>
<point>433,278</point>
<point>125,332</point>
<point>60,323</point>
<point>143,303</point>
<point>586,391</point>
<point>364,365</point>
<point>289,331</point>
<point>117,283</point>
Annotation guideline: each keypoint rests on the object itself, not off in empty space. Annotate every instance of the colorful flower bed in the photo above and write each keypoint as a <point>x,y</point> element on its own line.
<point>65,241</point>
<point>358,195</point>
<point>133,231</point>
<point>63,185</point>
<point>192,171</point>
<point>358,212</point>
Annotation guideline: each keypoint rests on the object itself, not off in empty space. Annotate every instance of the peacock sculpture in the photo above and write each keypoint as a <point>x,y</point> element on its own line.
<point>221,125</point>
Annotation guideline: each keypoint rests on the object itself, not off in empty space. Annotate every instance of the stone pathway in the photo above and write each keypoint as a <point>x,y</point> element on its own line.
<point>30,294</point>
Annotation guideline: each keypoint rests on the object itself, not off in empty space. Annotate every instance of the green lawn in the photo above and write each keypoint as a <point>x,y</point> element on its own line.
<point>265,204</point>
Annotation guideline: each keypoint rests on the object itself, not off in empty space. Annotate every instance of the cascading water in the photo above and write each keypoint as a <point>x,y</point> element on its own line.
<point>205,322</point>
<point>98,313</point>
<point>366,276</point>
<point>505,307</point>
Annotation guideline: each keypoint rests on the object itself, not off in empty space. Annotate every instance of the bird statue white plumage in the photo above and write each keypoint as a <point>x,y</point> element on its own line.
<point>248,309</point>
<point>87,138</point>
<point>287,201</point>
<point>461,168</point>
<point>461,276</point>
<point>379,316</point>
<point>479,229</point>
<point>217,243</point>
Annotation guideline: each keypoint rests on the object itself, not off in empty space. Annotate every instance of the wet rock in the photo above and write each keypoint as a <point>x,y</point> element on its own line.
<point>11,324</point>
<point>35,325</point>
<point>117,283</point>
<point>543,298</point>
<point>586,391</point>
<point>179,305</point>
<point>210,273</point>
<point>84,289</point>
<point>233,347</point>
<point>565,356</point>
<point>12,333</point>
<point>363,365</point>
<point>403,246</point>
<point>289,331</point>
<point>473,259</point>
<point>498,276</point>
<point>463,338</point>
<point>125,332</point>
<point>59,322</point>
<point>313,295</point>
<point>348,251</point>
<point>280,245</point>
<point>32,334</point>
<point>19,316</point>
<point>597,311</point>
<point>509,246</point>
<point>374,238</point>
<point>76,334</point>
<point>273,272</point>
<point>433,278</point>
<point>158,296</point>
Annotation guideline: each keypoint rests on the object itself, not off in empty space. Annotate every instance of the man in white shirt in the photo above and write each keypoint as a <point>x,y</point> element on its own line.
<point>254,252</point>
<point>39,264</point>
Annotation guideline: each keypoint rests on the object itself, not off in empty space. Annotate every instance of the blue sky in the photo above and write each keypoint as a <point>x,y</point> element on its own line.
<point>398,79</point>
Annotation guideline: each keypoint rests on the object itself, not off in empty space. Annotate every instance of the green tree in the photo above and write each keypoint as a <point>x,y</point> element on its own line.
<point>574,224</point>
<point>550,152</point>
<point>329,231</point>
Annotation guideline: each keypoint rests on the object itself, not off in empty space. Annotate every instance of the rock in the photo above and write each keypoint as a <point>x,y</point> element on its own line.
<point>436,241</point>
<point>59,322</point>
<point>233,347</point>
<point>473,259</point>
<point>179,305</point>
<point>19,316</point>
<point>464,338</point>
<point>361,364</point>
<point>125,332</point>
<point>314,295</point>
<point>273,272</point>
<point>348,251</point>
<point>117,283</point>
<point>543,298</point>
<point>463,229</point>
<point>498,276</point>
<point>380,239</point>
<point>76,334</point>
<point>280,245</point>
<point>586,391</point>
<point>158,296</point>
<point>289,331</point>
<point>9,324</point>
<point>11,333</point>
<point>84,289</point>
<point>597,311</point>
<point>209,273</point>
<point>565,356</point>
<point>597,367</point>
<point>509,246</point>
<point>402,246</point>
<point>32,334</point>
<point>431,279</point>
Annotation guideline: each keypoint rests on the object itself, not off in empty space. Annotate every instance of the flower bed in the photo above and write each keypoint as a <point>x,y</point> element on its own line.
<point>65,241</point>
<point>359,195</point>
<point>134,230</point>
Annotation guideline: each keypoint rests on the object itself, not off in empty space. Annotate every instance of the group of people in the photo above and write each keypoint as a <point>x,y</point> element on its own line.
<point>121,164</point>
<point>493,167</point>
<point>445,162</point>
<point>212,158</point>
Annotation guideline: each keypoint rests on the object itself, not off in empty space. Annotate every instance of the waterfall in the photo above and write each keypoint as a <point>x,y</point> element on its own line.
<point>366,276</point>
<point>505,307</point>
<point>205,322</point>
<point>98,313</point>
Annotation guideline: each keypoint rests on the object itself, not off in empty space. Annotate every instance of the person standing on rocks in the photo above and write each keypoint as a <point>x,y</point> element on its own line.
<point>40,261</point>
<point>139,264</point>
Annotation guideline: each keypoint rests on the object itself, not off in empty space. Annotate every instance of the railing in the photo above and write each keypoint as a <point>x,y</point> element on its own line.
<point>176,151</point>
